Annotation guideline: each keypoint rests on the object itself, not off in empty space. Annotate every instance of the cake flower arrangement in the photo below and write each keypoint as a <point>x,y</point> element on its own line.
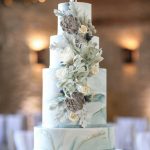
<point>80,60</point>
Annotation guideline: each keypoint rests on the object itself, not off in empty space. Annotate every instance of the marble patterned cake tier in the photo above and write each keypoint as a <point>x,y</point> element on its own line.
<point>101,138</point>
<point>96,109</point>
<point>55,59</point>
<point>84,8</point>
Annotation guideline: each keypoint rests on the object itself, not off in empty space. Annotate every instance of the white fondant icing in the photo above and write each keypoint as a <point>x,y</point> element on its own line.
<point>101,138</point>
<point>50,91</point>
<point>55,59</point>
<point>84,8</point>
<point>98,82</point>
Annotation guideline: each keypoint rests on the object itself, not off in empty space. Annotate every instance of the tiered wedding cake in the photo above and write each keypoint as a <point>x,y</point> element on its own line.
<point>74,88</point>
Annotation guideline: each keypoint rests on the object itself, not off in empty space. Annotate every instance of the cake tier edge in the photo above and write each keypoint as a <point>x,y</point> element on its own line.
<point>102,138</point>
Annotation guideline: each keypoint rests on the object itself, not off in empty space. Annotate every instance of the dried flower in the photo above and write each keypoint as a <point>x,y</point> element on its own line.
<point>84,89</point>
<point>61,73</point>
<point>95,69</point>
<point>83,29</point>
<point>67,55</point>
<point>70,24</point>
<point>76,102</point>
<point>73,117</point>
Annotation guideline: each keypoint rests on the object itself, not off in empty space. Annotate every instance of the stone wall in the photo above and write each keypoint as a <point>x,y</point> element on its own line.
<point>128,85</point>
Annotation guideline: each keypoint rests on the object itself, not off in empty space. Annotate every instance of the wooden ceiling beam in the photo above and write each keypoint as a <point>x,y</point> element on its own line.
<point>121,21</point>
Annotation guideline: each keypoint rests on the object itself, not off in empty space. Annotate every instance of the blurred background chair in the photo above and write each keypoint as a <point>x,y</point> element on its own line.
<point>126,130</point>
<point>142,141</point>
<point>2,132</point>
<point>16,131</point>
<point>14,123</point>
<point>37,119</point>
<point>23,140</point>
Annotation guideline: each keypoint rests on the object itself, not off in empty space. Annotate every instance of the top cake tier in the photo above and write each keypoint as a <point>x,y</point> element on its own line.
<point>84,8</point>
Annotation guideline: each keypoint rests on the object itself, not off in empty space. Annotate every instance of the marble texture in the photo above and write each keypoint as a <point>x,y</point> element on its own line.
<point>55,60</point>
<point>97,108</point>
<point>85,8</point>
<point>101,138</point>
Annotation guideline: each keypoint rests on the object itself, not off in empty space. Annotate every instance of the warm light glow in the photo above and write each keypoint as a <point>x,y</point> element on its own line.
<point>129,38</point>
<point>42,1</point>
<point>37,71</point>
<point>129,43</point>
<point>33,57</point>
<point>37,42</point>
<point>129,70</point>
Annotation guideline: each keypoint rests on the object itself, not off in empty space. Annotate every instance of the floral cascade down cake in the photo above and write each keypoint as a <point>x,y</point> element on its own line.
<point>74,86</point>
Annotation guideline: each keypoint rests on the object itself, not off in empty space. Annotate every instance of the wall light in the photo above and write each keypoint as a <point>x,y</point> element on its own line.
<point>129,55</point>
<point>129,43</point>
<point>129,38</point>
<point>37,42</point>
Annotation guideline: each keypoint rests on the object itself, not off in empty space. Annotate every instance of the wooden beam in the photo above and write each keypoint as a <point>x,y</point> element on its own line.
<point>121,21</point>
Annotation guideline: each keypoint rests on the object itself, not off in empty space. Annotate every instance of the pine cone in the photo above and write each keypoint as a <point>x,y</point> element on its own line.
<point>70,24</point>
<point>76,102</point>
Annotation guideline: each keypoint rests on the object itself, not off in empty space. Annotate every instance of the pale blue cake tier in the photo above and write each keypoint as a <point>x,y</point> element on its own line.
<point>96,109</point>
<point>101,138</point>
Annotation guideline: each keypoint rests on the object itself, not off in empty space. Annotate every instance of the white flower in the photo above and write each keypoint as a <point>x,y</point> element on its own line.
<point>67,55</point>
<point>86,90</point>
<point>83,29</point>
<point>73,117</point>
<point>95,69</point>
<point>61,73</point>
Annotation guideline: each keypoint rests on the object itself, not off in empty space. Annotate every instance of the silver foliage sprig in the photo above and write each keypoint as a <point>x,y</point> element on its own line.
<point>76,74</point>
<point>82,17</point>
<point>59,13</point>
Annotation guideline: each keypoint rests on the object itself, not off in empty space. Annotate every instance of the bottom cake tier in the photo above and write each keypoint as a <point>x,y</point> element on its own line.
<point>101,138</point>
